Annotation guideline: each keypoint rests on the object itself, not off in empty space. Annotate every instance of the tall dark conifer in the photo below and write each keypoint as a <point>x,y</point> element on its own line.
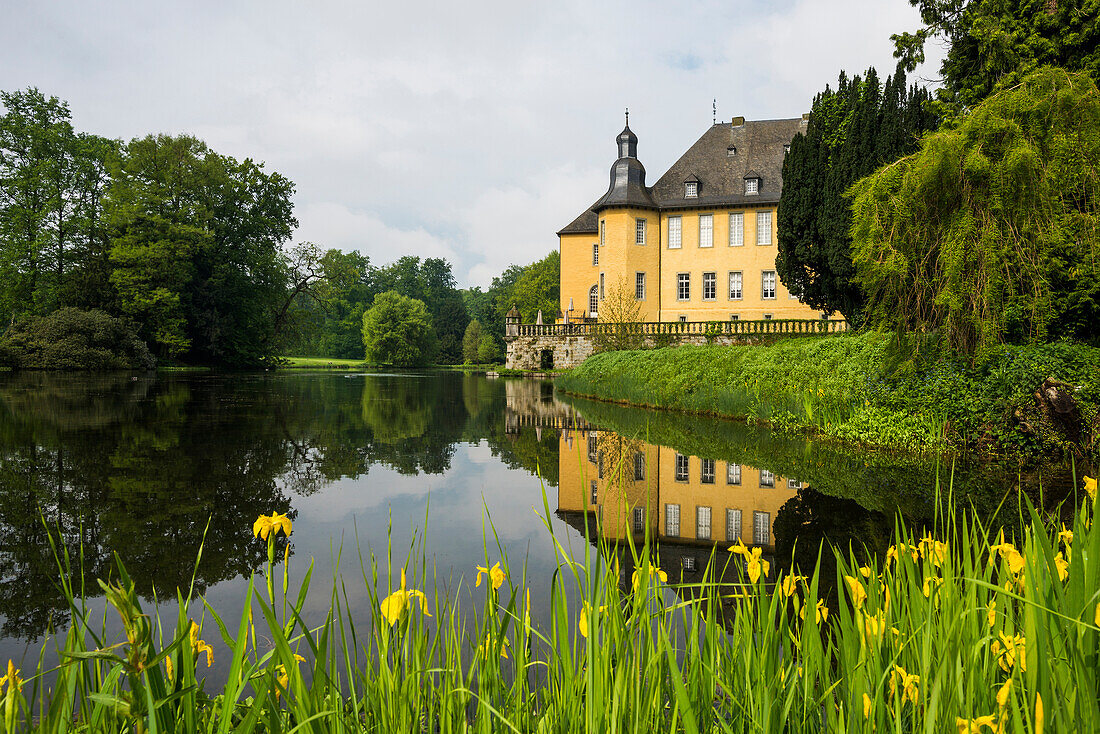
<point>852,131</point>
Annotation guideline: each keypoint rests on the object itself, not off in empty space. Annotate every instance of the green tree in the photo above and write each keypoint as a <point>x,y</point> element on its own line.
<point>487,350</point>
<point>52,181</point>
<point>432,282</point>
<point>398,330</point>
<point>851,132</point>
<point>996,43</point>
<point>197,249</point>
<point>471,341</point>
<point>991,231</point>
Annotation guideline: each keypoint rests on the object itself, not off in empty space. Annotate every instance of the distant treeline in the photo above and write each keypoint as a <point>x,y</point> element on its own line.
<point>191,249</point>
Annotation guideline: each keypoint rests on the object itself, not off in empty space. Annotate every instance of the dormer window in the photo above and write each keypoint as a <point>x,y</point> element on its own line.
<point>786,149</point>
<point>731,151</point>
<point>691,189</point>
<point>752,186</point>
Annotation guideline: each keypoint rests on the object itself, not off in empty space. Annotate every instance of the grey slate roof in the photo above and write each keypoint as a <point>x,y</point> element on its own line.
<point>760,150</point>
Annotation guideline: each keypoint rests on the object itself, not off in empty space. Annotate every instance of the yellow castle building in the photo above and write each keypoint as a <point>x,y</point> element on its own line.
<point>698,245</point>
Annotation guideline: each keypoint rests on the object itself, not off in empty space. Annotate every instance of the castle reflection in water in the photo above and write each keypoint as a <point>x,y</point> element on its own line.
<point>617,488</point>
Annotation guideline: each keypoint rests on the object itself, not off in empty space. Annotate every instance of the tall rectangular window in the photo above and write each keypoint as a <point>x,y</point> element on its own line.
<point>691,189</point>
<point>603,230</point>
<point>767,479</point>
<point>761,528</point>
<point>681,468</point>
<point>733,473</point>
<point>603,291</point>
<point>674,232</point>
<point>706,471</point>
<point>672,521</point>
<point>752,185</point>
<point>639,286</point>
<point>599,465</point>
<point>735,285</point>
<point>702,523</point>
<point>706,230</point>
<point>592,446</point>
<point>595,253</point>
<point>639,519</point>
<point>593,496</point>
<point>767,284</point>
<point>710,286</point>
<point>763,228</point>
<point>733,525</point>
<point>639,466</point>
<point>683,286</point>
<point>639,231</point>
<point>737,229</point>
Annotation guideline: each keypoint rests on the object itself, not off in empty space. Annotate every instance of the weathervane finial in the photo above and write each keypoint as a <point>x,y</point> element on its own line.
<point>714,111</point>
<point>628,117</point>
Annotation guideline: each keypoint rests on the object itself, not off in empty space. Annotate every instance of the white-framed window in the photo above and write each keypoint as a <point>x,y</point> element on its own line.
<point>752,186</point>
<point>733,473</point>
<point>691,189</point>
<point>593,300</point>
<point>761,528</point>
<point>702,523</point>
<point>735,285</point>
<point>706,230</point>
<point>710,286</point>
<point>594,496</point>
<point>639,466</point>
<point>595,253</point>
<point>674,232</point>
<point>639,231</point>
<point>706,471</point>
<point>603,290</point>
<point>737,229</point>
<point>731,151</point>
<point>683,287</point>
<point>599,465</point>
<point>603,230</point>
<point>639,286</point>
<point>672,520</point>
<point>639,519</point>
<point>767,479</point>
<point>688,563</point>
<point>763,228</point>
<point>794,484</point>
<point>592,446</point>
<point>786,148</point>
<point>767,284</point>
<point>681,468</point>
<point>733,524</point>
<point>683,319</point>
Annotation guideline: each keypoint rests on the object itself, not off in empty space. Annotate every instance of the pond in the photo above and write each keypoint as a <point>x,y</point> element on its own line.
<point>153,467</point>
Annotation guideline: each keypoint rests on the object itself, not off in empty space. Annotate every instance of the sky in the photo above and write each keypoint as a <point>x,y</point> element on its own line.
<point>471,131</point>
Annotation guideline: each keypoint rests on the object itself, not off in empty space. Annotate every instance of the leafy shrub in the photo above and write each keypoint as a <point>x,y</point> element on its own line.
<point>398,330</point>
<point>73,339</point>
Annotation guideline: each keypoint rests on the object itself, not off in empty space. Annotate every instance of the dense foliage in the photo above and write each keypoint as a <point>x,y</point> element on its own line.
<point>994,44</point>
<point>184,241</point>
<point>851,132</point>
<point>398,330</point>
<point>843,387</point>
<point>991,232</point>
<point>531,288</point>
<point>72,339</point>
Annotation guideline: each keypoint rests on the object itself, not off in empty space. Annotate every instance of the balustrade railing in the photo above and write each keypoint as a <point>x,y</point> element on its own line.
<point>689,328</point>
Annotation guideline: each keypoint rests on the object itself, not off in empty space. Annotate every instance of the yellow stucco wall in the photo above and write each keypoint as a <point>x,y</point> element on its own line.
<point>578,274</point>
<point>618,494</point>
<point>750,259</point>
<point>621,259</point>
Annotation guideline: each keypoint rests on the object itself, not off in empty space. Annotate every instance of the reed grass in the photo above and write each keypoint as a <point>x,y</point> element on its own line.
<point>947,632</point>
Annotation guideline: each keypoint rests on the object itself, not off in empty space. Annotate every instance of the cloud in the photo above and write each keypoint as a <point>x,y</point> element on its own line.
<point>470,131</point>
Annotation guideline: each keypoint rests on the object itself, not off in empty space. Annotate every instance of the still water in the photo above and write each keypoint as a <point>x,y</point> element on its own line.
<point>152,467</point>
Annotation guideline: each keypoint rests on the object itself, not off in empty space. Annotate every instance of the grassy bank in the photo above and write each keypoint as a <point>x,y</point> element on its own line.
<point>840,387</point>
<point>968,627</point>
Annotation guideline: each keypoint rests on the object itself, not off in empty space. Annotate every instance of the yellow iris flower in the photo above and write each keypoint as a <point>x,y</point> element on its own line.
<point>1090,487</point>
<point>859,594</point>
<point>974,726</point>
<point>495,575</point>
<point>991,613</point>
<point>582,623</point>
<point>273,523</point>
<point>866,706</point>
<point>1003,693</point>
<point>822,612</point>
<point>394,605</point>
<point>281,675</point>
<point>484,648</point>
<point>909,684</point>
<point>1062,565</point>
<point>754,564</point>
<point>12,679</point>
<point>790,584</point>
<point>1009,650</point>
<point>1040,717</point>
<point>637,578</point>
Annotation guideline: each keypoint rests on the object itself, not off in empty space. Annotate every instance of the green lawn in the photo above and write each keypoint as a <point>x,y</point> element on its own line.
<point>320,363</point>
